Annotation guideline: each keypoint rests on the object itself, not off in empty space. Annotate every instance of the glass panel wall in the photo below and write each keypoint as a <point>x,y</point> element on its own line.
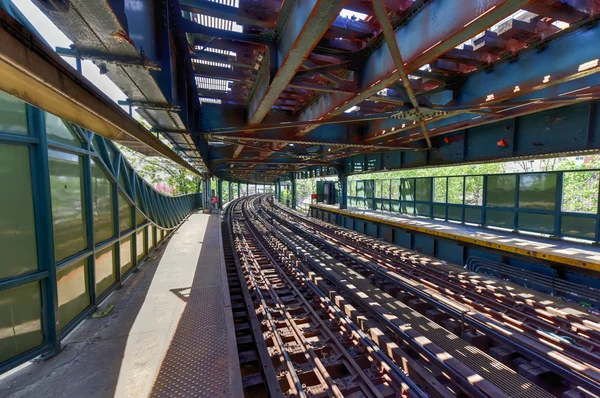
<point>59,215</point>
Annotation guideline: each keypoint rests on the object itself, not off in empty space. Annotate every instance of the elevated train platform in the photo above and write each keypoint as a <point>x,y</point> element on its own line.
<point>170,334</point>
<point>125,126</point>
<point>555,252</point>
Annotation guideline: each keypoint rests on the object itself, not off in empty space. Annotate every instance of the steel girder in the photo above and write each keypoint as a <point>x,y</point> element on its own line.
<point>436,29</point>
<point>308,22</point>
<point>563,131</point>
<point>34,73</point>
<point>538,77</point>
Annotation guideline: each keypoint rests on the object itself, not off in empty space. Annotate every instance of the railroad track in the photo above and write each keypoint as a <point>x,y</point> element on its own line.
<point>558,340</point>
<point>392,305</point>
<point>313,348</point>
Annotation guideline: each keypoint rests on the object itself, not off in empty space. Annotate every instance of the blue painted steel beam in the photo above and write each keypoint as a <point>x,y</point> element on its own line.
<point>308,22</point>
<point>561,60</point>
<point>556,132</point>
<point>437,28</point>
<point>33,73</point>
<point>537,74</point>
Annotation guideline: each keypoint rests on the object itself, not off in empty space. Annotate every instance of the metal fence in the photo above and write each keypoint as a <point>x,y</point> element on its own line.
<point>561,203</point>
<point>75,220</point>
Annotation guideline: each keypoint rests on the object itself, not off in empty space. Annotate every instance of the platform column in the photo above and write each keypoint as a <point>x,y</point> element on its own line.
<point>206,194</point>
<point>343,191</point>
<point>239,189</point>
<point>220,192</point>
<point>293,189</point>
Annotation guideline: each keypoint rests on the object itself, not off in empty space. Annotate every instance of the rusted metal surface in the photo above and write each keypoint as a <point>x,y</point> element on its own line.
<point>34,73</point>
<point>406,302</point>
<point>536,326</point>
<point>262,64</point>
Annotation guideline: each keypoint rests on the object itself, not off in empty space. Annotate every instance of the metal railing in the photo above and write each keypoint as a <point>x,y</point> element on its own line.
<point>75,220</point>
<point>557,203</point>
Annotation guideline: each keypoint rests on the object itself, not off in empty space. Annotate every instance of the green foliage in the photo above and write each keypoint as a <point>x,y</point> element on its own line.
<point>158,172</point>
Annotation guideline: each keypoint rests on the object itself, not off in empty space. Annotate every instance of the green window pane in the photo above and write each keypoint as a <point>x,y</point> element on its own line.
<point>423,189</point>
<point>395,189</point>
<point>537,191</point>
<point>500,218</point>
<point>122,182</point>
<point>140,244</point>
<point>139,218</point>
<point>369,189</point>
<point>150,232</point>
<point>124,214</point>
<point>501,190</point>
<point>13,115</point>
<point>57,130</point>
<point>407,190</point>
<point>543,223</point>
<point>474,190</point>
<point>360,189</point>
<point>126,254</point>
<point>439,211</point>
<point>73,295</point>
<point>68,215</point>
<point>17,224</point>
<point>423,210</point>
<point>580,192</point>
<point>439,190</point>
<point>102,205</point>
<point>473,215</point>
<point>455,190</point>
<point>104,269</point>
<point>455,213</point>
<point>581,227</point>
<point>20,320</point>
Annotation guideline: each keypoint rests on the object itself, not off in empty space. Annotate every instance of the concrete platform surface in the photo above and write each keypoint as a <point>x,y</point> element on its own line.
<point>170,334</point>
<point>567,252</point>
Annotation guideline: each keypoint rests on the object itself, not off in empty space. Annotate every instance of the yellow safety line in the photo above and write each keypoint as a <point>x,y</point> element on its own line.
<point>511,249</point>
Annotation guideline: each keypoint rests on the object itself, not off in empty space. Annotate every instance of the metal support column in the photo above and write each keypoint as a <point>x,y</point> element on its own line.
<point>220,193</point>
<point>293,189</point>
<point>343,190</point>
<point>206,195</point>
<point>238,189</point>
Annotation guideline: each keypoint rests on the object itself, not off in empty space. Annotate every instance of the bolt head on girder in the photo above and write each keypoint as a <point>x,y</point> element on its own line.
<point>419,115</point>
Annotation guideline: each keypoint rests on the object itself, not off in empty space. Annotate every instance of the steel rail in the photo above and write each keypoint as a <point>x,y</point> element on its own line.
<point>479,321</point>
<point>414,389</point>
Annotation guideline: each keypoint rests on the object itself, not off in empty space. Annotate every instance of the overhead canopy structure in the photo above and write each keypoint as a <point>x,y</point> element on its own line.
<point>251,90</point>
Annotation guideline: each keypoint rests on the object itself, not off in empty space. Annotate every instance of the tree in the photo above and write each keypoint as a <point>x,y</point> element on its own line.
<point>163,174</point>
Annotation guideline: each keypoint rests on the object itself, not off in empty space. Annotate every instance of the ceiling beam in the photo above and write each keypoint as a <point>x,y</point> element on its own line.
<point>34,73</point>
<point>223,11</point>
<point>388,34</point>
<point>196,28</point>
<point>310,21</point>
<point>290,139</point>
<point>313,69</point>
<point>529,77</point>
<point>420,46</point>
